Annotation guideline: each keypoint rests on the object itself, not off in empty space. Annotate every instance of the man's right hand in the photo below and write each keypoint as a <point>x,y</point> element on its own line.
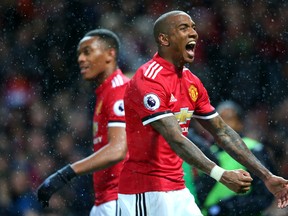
<point>53,183</point>
<point>278,186</point>
<point>238,181</point>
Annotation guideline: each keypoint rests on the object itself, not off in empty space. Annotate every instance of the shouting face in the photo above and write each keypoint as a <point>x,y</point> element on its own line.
<point>179,38</point>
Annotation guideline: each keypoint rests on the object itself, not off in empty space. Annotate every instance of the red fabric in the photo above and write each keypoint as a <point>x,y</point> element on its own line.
<point>108,94</point>
<point>155,91</point>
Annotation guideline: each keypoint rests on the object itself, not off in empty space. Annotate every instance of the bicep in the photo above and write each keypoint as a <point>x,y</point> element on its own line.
<point>168,127</point>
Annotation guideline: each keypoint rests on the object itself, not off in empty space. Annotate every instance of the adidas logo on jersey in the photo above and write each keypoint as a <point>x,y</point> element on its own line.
<point>172,98</point>
<point>153,70</point>
<point>117,81</point>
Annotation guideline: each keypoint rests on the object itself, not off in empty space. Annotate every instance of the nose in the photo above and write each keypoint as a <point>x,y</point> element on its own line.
<point>81,58</point>
<point>193,33</point>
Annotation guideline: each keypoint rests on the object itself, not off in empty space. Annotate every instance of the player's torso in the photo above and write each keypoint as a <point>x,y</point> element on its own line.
<point>100,123</point>
<point>109,109</point>
<point>179,95</point>
<point>152,162</point>
<point>182,93</point>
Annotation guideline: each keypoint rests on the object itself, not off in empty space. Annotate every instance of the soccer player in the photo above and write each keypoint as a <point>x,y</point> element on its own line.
<point>160,100</point>
<point>97,57</point>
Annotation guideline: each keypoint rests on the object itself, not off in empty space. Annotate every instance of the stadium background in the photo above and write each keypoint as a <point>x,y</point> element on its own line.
<point>46,107</point>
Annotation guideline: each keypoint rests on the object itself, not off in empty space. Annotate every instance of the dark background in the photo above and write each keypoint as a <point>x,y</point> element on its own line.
<point>46,108</point>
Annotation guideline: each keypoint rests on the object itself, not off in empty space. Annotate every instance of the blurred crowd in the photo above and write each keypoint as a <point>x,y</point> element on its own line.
<point>46,107</point>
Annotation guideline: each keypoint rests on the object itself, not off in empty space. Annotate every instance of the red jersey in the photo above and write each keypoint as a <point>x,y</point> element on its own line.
<point>156,91</point>
<point>109,112</point>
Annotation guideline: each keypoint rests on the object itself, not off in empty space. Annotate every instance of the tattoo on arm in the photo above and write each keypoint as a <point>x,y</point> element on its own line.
<point>169,128</point>
<point>232,143</point>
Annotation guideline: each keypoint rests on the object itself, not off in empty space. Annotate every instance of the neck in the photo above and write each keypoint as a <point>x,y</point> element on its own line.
<point>104,75</point>
<point>178,63</point>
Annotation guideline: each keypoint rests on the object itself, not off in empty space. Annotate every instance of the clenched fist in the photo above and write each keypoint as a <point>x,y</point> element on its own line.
<point>238,181</point>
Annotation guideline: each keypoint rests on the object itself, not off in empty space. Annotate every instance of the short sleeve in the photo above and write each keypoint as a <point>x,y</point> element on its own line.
<point>150,100</point>
<point>115,107</point>
<point>204,109</point>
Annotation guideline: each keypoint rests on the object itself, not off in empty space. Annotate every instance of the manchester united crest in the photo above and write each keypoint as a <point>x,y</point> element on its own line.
<point>193,92</point>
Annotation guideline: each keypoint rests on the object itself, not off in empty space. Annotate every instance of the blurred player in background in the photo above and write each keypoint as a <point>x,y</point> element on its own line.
<point>98,54</point>
<point>160,100</point>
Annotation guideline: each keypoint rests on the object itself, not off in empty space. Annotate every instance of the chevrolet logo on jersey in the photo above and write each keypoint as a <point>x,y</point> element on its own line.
<point>184,115</point>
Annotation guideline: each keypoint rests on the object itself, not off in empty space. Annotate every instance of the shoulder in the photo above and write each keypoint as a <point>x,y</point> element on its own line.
<point>152,70</point>
<point>187,73</point>
<point>193,80</point>
<point>119,79</point>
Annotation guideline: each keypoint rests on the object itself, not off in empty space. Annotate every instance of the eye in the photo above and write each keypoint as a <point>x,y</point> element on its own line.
<point>86,52</point>
<point>183,28</point>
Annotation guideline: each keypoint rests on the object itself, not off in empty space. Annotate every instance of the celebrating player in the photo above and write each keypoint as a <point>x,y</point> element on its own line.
<point>159,101</point>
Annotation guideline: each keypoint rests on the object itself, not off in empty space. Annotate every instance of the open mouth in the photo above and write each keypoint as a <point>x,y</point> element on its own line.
<point>190,47</point>
<point>83,69</point>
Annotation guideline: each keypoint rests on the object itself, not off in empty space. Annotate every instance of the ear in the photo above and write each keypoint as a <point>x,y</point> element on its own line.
<point>163,39</point>
<point>110,55</point>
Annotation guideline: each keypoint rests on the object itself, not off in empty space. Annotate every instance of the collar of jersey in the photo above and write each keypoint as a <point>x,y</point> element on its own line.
<point>167,65</point>
<point>107,82</point>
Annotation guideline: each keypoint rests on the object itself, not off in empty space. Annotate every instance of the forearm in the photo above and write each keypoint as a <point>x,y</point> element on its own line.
<point>103,158</point>
<point>239,151</point>
<point>232,143</point>
<point>187,150</point>
<point>107,156</point>
<point>190,153</point>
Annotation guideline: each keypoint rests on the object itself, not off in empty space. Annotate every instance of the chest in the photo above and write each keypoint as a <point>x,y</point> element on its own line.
<point>181,96</point>
<point>100,111</point>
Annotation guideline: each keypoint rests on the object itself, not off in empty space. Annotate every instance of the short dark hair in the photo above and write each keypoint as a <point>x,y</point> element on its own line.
<point>109,37</point>
<point>161,25</point>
